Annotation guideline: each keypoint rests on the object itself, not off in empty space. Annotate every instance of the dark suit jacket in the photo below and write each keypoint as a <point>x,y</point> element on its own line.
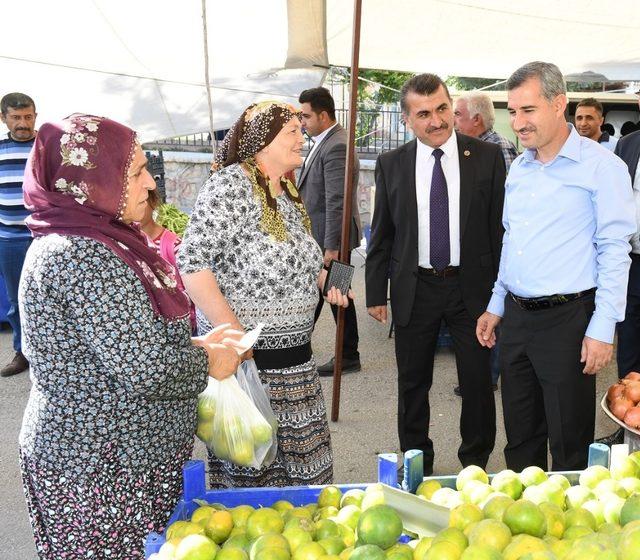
<point>321,185</point>
<point>628,148</point>
<point>393,250</point>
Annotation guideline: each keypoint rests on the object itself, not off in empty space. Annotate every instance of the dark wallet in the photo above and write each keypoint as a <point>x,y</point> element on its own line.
<point>339,275</point>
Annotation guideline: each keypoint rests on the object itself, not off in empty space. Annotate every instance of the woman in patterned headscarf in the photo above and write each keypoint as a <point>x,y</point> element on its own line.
<point>248,257</point>
<point>112,410</point>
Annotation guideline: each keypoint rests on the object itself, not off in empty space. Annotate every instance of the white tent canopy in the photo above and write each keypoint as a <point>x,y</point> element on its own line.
<point>142,61</point>
<point>491,38</point>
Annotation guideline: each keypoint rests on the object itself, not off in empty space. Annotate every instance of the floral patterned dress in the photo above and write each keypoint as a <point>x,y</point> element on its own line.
<point>112,410</point>
<point>271,282</point>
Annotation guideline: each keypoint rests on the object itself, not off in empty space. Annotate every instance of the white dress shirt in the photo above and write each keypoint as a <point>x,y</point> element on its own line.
<point>635,239</point>
<point>318,139</point>
<point>424,171</point>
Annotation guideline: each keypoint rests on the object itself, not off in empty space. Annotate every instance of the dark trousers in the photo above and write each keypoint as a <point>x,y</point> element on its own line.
<point>628,353</point>
<point>545,395</point>
<point>351,339</point>
<point>495,359</point>
<point>12,255</point>
<point>437,299</point>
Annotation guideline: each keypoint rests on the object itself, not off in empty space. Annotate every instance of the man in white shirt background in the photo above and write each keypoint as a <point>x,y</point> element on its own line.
<point>589,119</point>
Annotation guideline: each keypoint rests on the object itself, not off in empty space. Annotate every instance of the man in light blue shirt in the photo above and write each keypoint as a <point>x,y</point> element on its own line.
<point>561,288</point>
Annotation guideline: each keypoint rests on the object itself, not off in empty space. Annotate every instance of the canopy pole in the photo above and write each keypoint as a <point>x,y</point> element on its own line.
<point>347,205</point>
<point>206,69</point>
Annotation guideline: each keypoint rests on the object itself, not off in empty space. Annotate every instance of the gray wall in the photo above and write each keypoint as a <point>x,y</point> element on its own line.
<point>185,172</point>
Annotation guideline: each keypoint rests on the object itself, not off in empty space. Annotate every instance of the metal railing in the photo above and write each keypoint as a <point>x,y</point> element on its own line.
<point>197,142</point>
<point>376,131</point>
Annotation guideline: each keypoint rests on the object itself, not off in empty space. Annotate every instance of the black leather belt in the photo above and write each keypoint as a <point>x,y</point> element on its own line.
<point>282,357</point>
<point>547,302</point>
<point>444,273</point>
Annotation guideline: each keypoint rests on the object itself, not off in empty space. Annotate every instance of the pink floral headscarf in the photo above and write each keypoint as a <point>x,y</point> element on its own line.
<point>76,184</point>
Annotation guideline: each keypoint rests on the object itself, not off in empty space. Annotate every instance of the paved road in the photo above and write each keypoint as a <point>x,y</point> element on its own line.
<point>367,424</point>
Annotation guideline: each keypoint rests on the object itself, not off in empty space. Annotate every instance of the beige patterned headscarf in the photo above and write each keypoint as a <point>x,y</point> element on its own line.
<point>256,128</point>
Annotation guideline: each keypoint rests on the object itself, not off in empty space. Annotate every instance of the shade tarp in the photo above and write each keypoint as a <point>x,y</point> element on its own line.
<point>142,62</point>
<point>491,38</point>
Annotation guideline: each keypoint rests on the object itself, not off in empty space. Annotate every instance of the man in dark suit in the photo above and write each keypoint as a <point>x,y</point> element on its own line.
<point>321,186</point>
<point>437,235</point>
<point>628,353</point>
<point>628,148</point>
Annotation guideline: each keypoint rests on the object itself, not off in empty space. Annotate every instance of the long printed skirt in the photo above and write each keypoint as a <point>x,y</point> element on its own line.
<point>106,515</point>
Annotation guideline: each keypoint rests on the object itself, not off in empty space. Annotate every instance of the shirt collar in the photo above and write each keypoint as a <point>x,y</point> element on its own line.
<point>486,134</point>
<point>450,147</point>
<point>12,139</point>
<point>323,134</point>
<point>570,149</point>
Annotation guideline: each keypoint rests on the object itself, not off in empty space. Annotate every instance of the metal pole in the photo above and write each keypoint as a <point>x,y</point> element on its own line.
<point>347,203</point>
<point>205,35</point>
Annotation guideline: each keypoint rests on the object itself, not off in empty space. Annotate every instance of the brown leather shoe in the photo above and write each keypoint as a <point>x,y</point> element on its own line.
<point>15,366</point>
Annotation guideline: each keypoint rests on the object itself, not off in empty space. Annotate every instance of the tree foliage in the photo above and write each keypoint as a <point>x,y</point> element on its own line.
<point>371,95</point>
<point>461,83</point>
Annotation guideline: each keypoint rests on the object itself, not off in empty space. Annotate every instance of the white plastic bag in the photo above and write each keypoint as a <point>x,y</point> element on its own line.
<point>231,426</point>
<point>249,380</point>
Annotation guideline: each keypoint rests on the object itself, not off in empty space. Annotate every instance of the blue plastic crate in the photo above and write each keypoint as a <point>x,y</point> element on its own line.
<point>195,489</point>
<point>388,468</point>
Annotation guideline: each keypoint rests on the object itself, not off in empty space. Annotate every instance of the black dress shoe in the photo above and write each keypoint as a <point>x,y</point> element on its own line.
<point>613,439</point>
<point>348,366</point>
<point>15,366</point>
<point>458,392</point>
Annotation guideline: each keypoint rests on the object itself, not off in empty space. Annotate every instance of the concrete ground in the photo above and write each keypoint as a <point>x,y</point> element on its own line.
<point>367,424</point>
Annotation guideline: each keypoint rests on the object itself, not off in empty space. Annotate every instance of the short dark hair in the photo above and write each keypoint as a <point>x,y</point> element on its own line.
<point>551,79</point>
<point>591,102</point>
<point>16,100</point>
<point>422,84</point>
<point>320,100</point>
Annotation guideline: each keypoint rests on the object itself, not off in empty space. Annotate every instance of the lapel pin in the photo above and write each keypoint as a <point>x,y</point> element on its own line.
<point>467,153</point>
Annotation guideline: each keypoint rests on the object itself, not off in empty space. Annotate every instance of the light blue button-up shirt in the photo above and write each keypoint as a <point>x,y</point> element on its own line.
<point>567,229</point>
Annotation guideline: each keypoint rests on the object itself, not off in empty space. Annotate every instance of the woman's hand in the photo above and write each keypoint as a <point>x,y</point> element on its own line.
<point>222,334</point>
<point>229,336</point>
<point>334,296</point>
<point>223,360</point>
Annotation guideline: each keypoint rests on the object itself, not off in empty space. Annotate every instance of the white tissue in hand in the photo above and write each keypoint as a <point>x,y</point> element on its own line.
<point>249,339</point>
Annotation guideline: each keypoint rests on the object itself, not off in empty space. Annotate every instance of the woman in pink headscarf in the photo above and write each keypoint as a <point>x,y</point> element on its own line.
<point>112,411</point>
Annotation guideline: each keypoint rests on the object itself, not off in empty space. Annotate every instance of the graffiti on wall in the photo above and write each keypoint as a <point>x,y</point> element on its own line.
<point>183,181</point>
